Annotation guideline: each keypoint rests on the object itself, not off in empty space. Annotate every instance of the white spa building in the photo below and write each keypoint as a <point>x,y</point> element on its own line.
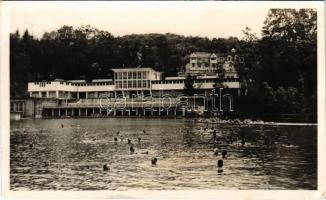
<point>140,82</point>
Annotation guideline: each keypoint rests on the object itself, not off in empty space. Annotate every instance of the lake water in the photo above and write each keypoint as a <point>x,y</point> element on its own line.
<point>46,156</point>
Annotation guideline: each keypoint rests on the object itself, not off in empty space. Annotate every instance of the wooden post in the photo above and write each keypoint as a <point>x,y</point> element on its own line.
<point>23,104</point>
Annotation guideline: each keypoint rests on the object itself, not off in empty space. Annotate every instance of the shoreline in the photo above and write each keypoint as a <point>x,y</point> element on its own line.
<point>196,120</point>
<point>267,123</point>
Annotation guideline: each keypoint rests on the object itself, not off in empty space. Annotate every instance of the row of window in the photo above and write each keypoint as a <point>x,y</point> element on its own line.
<point>221,59</point>
<point>93,84</point>
<point>132,75</point>
<point>205,65</point>
<point>43,84</point>
<point>168,82</point>
<point>227,79</point>
<point>132,84</point>
<point>135,83</point>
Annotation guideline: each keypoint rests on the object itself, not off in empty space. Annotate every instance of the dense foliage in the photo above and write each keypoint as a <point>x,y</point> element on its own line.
<point>280,69</point>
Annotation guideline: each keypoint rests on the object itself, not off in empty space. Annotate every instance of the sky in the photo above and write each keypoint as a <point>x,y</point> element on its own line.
<point>205,19</point>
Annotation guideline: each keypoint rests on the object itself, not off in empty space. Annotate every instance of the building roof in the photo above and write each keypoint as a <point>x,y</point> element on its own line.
<point>202,54</point>
<point>205,55</point>
<point>175,78</point>
<point>207,77</point>
<point>57,79</point>
<point>101,80</point>
<point>134,69</point>
<point>76,81</point>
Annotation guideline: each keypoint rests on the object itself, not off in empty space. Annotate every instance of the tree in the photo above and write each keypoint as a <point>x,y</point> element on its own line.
<point>148,56</point>
<point>174,65</point>
<point>162,52</point>
<point>250,69</point>
<point>289,49</point>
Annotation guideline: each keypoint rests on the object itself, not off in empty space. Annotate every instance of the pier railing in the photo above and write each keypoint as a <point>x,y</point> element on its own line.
<point>118,103</point>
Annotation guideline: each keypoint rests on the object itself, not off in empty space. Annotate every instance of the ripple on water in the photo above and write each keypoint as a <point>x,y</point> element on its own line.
<point>72,158</point>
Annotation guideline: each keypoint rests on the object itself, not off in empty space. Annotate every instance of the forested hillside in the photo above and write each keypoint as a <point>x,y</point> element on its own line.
<point>280,69</point>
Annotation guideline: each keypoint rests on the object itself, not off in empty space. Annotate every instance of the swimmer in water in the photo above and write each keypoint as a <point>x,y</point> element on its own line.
<point>214,136</point>
<point>144,131</point>
<point>154,162</point>
<point>118,133</point>
<point>243,142</point>
<point>115,140</point>
<point>105,167</point>
<point>220,166</point>
<point>129,141</point>
<point>139,139</point>
<point>132,150</point>
<point>224,152</point>
<point>215,152</point>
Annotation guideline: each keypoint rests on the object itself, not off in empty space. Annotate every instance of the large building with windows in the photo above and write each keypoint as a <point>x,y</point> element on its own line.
<point>140,82</point>
<point>199,63</point>
<point>79,98</point>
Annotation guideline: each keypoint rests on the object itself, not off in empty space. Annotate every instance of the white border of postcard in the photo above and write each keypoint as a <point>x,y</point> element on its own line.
<point>144,194</point>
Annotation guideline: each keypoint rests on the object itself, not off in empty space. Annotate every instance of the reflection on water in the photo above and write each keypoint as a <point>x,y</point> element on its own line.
<point>69,154</point>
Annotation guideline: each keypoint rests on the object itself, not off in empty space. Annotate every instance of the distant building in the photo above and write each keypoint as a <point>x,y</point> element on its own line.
<point>199,63</point>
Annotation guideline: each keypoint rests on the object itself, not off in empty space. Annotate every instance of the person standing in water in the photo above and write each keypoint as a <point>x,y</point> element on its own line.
<point>132,150</point>
<point>213,138</point>
<point>219,166</point>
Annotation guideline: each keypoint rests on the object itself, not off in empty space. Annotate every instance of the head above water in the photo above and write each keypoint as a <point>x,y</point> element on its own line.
<point>220,163</point>
<point>105,167</point>
<point>216,152</point>
<point>224,152</point>
<point>154,161</point>
<point>132,150</point>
